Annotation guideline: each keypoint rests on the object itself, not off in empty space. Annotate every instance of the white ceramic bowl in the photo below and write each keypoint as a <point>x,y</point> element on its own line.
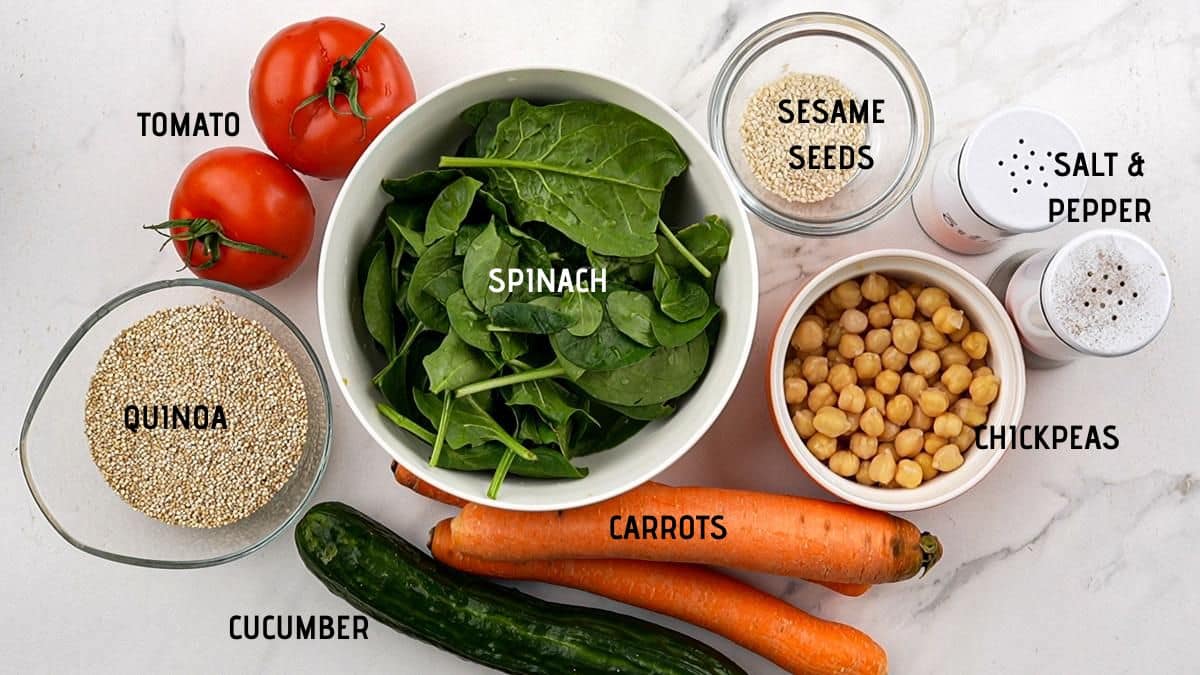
<point>1004,357</point>
<point>412,143</point>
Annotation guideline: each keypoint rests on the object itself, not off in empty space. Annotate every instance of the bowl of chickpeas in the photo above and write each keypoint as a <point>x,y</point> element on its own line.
<point>884,367</point>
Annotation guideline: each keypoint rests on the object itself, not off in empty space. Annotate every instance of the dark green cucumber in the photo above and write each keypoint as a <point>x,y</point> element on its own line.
<point>389,579</point>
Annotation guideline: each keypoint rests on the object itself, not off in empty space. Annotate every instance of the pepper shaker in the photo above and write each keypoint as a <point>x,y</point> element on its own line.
<point>1104,293</point>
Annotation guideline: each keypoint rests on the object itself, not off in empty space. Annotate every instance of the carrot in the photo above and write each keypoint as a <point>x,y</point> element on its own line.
<point>762,623</point>
<point>776,534</point>
<point>849,590</point>
<point>409,480</point>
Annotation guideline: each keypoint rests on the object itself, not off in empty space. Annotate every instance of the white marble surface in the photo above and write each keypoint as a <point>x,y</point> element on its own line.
<point>1058,562</point>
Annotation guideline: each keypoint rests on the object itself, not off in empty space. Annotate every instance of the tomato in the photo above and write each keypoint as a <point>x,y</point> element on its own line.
<point>322,90</point>
<point>240,216</point>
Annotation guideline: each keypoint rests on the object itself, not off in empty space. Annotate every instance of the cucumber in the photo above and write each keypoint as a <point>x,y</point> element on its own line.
<point>389,579</point>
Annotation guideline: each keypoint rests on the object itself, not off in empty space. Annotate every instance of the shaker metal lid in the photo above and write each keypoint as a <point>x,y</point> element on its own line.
<point>1106,292</point>
<point>1006,168</point>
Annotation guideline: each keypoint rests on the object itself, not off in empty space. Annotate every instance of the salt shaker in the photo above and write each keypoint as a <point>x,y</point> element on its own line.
<point>998,182</point>
<point>1104,293</point>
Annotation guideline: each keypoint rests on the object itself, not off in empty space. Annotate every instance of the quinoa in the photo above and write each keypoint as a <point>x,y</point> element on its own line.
<point>766,141</point>
<point>197,355</point>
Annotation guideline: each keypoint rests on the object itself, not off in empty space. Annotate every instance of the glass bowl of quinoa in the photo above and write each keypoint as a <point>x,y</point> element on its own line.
<point>824,122</point>
<point>185,424</point>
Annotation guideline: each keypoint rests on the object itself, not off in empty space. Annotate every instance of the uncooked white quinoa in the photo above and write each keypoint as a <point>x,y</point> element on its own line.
<point>766,140</point>
<point>197,355</point>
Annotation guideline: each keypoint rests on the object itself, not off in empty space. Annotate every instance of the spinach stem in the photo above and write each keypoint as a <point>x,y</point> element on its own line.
<point>405,423</point>
<point>443,423</point>
<point>683,251</point>
<point>501,471</point>
<point>499,162</point>
<point>413,331</point>
<point>552,370</point>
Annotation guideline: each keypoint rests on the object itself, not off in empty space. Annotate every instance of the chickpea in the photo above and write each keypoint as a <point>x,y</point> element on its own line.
<point>947,458</point>
<point>957,378</point>
<point>952,355</point>
<point>900,409</point>
<point>947,319</point>
<point>853,321</point>
<point>791,368</point>
<point>975,344</point>
<point>931,299</point>
<point>882,468</point>
<point>871,422</point>
<point>836,358</point>
<point>887,382</point>
<point>890,431</point>
<point>932,442</point>
<point>846,295</point>
<point>841,376</point>
<point>902,305</point>
<point>831,422</point>
<point>924,362</point>
<point>815,369</point>
<point>925,460</point>
<point>833,335</point>
<point>912,384</point>
<point>984,389</point>
<point>826,309</point>
<point>877,340</point>
<point>931,338</point>
<point>864,474</point>
<point>933,402</point>
<point>853,418</point>
<point>803,421</point>
<point>914,288</point>
<point>875,287</point>
<point>947,425</point>
<point>809,335</point>
<point>821,396</point>
<point>906,335</point>
<point>893,359</point>
<point>879,316</point>
<point>965,439</point>
<point>851,345</point>
<point>844,463</point>
<point>876,400</point>
<point>821,446</point>
<point>958,335</point>
<point>795,390</point>
<point>852,399</point>
<point>920,420</point>
<point>863,446</point>
<point>908,473</point>
<point>972,413</point>
<point>867,365</point>
<point>982,371</point>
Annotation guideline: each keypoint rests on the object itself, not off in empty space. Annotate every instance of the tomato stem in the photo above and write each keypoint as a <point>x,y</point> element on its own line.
<point>208,234</point>
<point>343,79</point>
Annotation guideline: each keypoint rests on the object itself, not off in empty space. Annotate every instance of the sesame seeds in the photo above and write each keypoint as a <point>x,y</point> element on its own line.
<point>768,143</point>
<point>191,356</point>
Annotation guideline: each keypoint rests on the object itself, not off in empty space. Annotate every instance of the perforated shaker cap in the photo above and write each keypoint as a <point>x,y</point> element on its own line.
<point>1006,169</point>
<point>1106,293</point>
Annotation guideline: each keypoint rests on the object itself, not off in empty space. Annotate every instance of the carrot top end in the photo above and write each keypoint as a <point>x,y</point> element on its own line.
<point>931,552</point>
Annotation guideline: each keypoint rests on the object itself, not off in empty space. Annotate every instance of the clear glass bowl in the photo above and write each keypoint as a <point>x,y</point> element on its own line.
<point>68,487</point>
<point>871,65</point>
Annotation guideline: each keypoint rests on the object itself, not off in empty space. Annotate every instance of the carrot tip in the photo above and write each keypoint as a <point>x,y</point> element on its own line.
<point>931,552</point>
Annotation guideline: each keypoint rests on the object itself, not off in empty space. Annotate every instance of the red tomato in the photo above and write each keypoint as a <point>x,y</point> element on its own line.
<point>322,90</point>
<point>240,216</point>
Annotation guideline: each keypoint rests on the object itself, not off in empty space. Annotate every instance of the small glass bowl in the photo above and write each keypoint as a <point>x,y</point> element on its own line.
<point>871,65</point>
<point>69,489</point>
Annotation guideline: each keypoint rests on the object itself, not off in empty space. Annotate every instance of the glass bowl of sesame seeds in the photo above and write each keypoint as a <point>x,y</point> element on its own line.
<point>824,122</point>
<point>184,424</point>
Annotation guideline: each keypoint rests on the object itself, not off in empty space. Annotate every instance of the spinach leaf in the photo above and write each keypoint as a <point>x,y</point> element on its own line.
<point>465,236</point>
<point>487,252</point>
<point>470,424</point>
<point>584,310</point>
<point>512,345</point>
<point>404,222</point>
<point>436,261</point>
<point>552,400</point>
<point>377,302</point>
<point>454,364</point>
<point>605,349</point>
<point>548,462</point>
<point>392,382</point>
<point>631,312</point>
<point>671,333</point>
<point>613,429</point>
<point>419,186</point>
<point>649,412</point>
<point>534,430</point>
<point>683,300</point>
<point>594,171</point>
<point>527,317</point>
<point>367,256</point>
<point>450,208</point>
<point>469,323</point>
<point>665,374</point>
<point>484,116</point>
<point>708,241</point>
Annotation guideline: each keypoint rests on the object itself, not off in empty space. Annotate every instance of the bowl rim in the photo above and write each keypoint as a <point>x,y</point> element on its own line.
<point>738,220</point>
<point>65,351</point>
<point>1015,381</point>
<point>831,24</point>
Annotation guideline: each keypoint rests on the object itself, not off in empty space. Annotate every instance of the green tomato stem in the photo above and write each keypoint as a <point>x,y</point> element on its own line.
<point>683,251</point>
<point>209,234</point>
<point>405,423</point>
<point>443,423</point>
<point>552,370</point>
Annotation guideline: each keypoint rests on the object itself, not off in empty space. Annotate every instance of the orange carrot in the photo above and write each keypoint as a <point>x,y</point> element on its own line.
<point>762,623</point>
<point>776,534</point>
<point>849,590</point>
<point>409,480</point>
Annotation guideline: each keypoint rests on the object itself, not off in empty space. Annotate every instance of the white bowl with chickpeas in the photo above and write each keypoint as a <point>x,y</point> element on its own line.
<point>883,367</point>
